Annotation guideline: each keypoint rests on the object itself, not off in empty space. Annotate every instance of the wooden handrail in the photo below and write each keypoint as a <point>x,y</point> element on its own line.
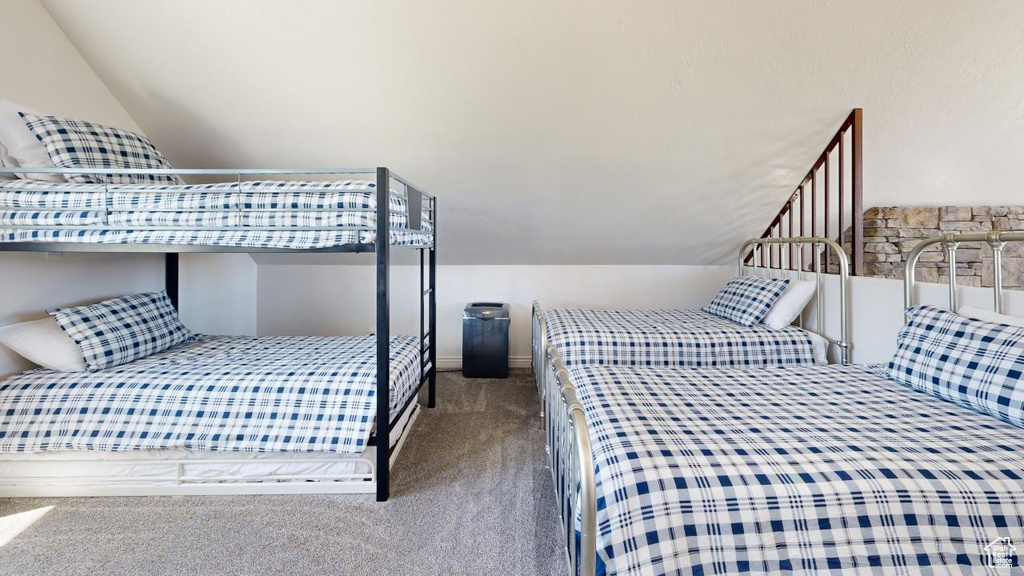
<point>784,225</point>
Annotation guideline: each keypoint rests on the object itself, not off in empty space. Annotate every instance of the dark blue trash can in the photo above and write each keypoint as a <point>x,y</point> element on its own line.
<point>485,333</point>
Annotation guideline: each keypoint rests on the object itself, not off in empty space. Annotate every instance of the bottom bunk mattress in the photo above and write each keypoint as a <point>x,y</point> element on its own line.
<point>822,470</point>
<point>674,337</point>
<point>219,393</point>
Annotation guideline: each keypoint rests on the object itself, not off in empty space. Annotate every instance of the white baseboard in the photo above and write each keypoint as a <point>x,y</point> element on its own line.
<point>455,362</point>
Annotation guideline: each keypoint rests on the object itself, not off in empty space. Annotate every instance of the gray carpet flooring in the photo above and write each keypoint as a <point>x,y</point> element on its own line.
<point>470,495</point>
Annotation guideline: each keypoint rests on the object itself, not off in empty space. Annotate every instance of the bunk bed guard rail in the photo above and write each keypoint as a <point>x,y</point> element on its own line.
<point>950,242</point>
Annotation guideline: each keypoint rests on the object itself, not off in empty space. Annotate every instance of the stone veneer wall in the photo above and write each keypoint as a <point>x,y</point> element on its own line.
<point>890,233</point>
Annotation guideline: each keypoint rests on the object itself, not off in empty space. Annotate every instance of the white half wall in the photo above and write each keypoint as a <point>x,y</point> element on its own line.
<point>325,300</point>
<point>876,311</point>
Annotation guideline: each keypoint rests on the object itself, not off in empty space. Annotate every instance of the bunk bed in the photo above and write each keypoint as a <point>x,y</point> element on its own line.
<point>911,467</point>
<point>341,407</point>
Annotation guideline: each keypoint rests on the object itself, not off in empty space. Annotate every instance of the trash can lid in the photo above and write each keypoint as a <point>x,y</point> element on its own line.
<point>486,310</point>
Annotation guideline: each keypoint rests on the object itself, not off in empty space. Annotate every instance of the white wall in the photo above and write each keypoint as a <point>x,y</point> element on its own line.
<point>32,283</point>
<point>44,71</point>
<point>321,300</point>
<point>579,131</point>
<point>218,293</point>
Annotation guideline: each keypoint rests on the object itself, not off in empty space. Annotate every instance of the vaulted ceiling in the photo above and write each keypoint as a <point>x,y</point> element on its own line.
<point>579,131</point>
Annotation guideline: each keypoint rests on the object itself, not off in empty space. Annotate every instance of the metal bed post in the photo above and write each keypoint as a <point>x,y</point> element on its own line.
<point>171,277</point>
<point>383,246</point>
<point>432,264</point>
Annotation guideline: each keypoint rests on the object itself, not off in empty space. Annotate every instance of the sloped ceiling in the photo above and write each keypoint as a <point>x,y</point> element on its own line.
<point>579,131</point>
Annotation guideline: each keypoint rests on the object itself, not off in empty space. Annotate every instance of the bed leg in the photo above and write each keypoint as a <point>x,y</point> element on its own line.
<point>383,335</point>
<point>171,278</point>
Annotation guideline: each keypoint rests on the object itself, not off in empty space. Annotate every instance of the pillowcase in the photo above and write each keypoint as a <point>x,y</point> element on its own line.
<point>790,304</point>
<point>44,343</point>
<point>990,316</point>
<point>973,363</point>
<point>747,299</point>
<point>117,331</point>
<point>78,144</point>
<point>20,146</point>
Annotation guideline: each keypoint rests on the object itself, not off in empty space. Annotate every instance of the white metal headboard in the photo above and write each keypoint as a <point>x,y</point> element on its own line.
<point>950,242</point>
<point>817,243</point>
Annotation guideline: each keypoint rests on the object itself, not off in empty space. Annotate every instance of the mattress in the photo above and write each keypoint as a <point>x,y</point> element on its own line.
<point>174,466</point>
<point>218,394</point>
<point>260,214</point>
<point>674,337</point>
<point>823,470</point>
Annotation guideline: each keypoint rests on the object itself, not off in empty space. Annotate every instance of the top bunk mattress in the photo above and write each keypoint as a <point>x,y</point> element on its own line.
<point>673,337</point>
<point>220,393</point>
<point>823,470</point>
<point>259,214</point>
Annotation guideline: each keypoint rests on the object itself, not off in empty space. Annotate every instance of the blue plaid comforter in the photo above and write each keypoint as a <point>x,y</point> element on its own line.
<point>670,338</point>
<point>822,470</point>
<point>260,214</point>
<point>220,393</point>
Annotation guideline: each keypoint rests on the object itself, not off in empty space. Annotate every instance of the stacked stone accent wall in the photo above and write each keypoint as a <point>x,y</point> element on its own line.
<point>890,233</point>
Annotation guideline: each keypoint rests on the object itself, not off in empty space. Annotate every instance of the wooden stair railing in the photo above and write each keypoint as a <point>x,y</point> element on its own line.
<point>846,149</point>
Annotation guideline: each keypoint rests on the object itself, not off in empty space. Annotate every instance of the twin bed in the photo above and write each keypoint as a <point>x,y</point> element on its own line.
<point>221,415</point>
<point>684,468</point>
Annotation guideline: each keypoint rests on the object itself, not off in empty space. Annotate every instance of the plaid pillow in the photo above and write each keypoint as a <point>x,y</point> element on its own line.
<point>117,331</point>
<point>746,300</point>
<point>78,144</point>
<point>970,362</point>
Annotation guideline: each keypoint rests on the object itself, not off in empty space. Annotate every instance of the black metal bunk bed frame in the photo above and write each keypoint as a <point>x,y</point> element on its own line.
<point>381,438</point>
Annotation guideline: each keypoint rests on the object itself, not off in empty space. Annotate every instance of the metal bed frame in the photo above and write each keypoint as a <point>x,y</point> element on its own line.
<point>567,435</point>
<point>570,455</point>
<point>417,200</point>
<point>950,242</point>
<point>539,321</point>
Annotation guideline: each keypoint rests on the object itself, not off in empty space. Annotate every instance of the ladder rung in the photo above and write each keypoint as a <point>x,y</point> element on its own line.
<point>428,291</point>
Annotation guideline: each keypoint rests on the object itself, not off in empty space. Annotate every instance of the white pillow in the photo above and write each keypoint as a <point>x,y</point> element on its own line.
<point>790,304</point>
<point>990,316</point>
<point>43,342</point>
<point>22,146</point>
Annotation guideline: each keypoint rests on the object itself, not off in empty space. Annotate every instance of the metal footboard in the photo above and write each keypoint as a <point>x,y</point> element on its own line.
<point>571,460</point>
<point>538,357</point>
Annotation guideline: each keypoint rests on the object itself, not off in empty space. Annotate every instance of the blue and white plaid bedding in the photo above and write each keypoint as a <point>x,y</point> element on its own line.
<point>817,470</point>
<point>220,393</point>
<point>748,299</point>
<point>971,362</point>
<point>261,214</point>
<point>670,338</point>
